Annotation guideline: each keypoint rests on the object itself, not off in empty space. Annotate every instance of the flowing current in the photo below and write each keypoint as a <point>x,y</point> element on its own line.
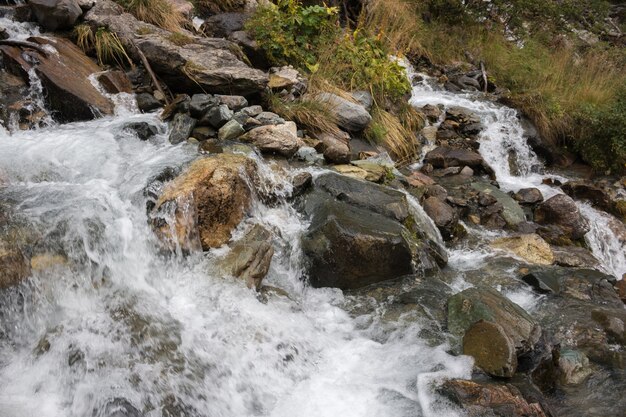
<point>504,147</point>
<point>108,319</point>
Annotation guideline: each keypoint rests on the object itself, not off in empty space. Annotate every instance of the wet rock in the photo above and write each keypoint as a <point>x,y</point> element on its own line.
<point>147,103</point>
<point>573,367</point>
<point>205,203</point>
<point>231,131</point>
<point>142,130</point>
<point>490,399</point>
<point>200,104</point>
<point>335,147</point>
<point>352,117</point>
<point>417,179</point>
<point>581,284</point>
<point>562,212</point>
<point>235,103</point>
<point>584,190</point>
<point>181,128</point>
<point>278,139</point>
<point>14,265</point>
<point>209,65</point>
<point>491,348</point>
<point>348,247</point>
<point>217,116</point>
<point>69,94</point>
<point>375,172</point>
<point>119,407</point>
<point>115,82</point>
<point>301,182</point>
<point>528,196</point>
<point>210,146</point>
<point>56,14</point>
<point>511,211</point>
<point>250,257</point>
<point>620,287</point>
<point>444,216</point>
<point>432,112</point>
<point>444,157</point>
<point>613,322</point>
<point>574,256</point>
<point>531,247</point>
<point>475,304</point>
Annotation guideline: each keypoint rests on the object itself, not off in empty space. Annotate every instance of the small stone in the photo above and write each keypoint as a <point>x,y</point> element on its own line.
<point>143,130</point>
<point>203,133</point>
<point>467,171</point>
<point>252,111</point>
<point>230,131</point>
<point>159,96</point>
<point>528,196</point>
<point>301,182</point>
<point>147,103</point>
<point>473,218</point>
<point>181,128</point>
<point>573,366</point>
<point>200,104</point>
<point>235,103</point>
<point>269,118</point>
<point>217,116</point>
<point>491,349</point>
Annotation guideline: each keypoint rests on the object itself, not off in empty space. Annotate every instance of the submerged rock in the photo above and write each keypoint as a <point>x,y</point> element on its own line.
<point>492,349</point>
<point>14,266</point>
<point>202,206</point>
<point>490,399</point>
<point>250,257</point>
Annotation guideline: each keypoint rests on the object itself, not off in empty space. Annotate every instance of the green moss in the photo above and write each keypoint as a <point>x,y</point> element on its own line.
<point>179,39</point>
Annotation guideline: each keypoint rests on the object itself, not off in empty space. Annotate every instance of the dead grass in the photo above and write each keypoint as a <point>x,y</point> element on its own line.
<point>314,115</point>
<point>157,12</point>
<point>105,44</point>
<point>387,130</point>
<point>397,22</point>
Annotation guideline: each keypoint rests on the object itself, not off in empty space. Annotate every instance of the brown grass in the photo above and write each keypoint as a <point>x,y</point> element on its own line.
<point>388,131</point>
<point>314,115</point>
<point>158,12</point>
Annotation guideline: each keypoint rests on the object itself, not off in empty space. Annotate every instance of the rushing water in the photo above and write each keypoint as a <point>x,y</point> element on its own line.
<point>504,147</point>
<point>112,320</point>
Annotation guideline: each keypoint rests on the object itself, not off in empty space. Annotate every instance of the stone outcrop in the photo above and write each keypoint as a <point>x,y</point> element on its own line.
<point>69,94</point>
<point>190,64</point>
<point>200,208</point>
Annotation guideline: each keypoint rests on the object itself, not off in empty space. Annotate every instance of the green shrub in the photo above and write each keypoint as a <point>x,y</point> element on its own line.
<point>290,33</point>
<point>602,142</point>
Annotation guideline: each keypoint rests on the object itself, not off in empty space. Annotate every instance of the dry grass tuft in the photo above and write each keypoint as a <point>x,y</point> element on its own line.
<point>158,12</point>
<point>398,23</point>
<point>106,45</point>
<point>314,115</point>
<point>387,130</point>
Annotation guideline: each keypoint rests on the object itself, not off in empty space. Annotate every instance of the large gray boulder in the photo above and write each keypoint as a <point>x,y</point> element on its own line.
<point>362,233</point>
<point>351,116</point>
<point>56,14</point>
<point>197,64</point>
<point>561,211</point>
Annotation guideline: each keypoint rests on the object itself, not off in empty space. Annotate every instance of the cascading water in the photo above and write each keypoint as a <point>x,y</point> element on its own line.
<point>502,141</point>
<point>112,320</point>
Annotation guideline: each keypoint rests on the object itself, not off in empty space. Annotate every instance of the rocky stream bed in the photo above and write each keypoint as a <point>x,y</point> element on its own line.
<point>207,257</point>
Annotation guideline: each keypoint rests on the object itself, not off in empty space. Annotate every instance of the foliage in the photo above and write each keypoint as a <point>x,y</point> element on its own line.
<point>290,33</point>
<point>105,44</point>
<point>157,12</point>
<point>603,140</point>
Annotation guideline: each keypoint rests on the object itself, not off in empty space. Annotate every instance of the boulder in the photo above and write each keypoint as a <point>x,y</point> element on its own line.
<point>562,212</point>
<point>222,25</point>
<point>250,257</point>
<point>200,104</point>
<point>217,116</point>
<point>335,147</point>
<point>147,103</point>
<point>585,190</point>
<point>490,399</point>
<point>202,65</point>
<point>573,367</point>
<point>474,304</point>
<point>362,233</point>
<point>235,103</point>
<point>201,207</point>
<point>351,116</point>
<point>528,196</point>
<point>279,139</point>
<point>69,95</point>
<point>181,128</point>
<point>511,210</point>
<point>230,131</point>
<point>574,256</point>
<point>364,98</point>
<point>283,78</point>
<point>491,348</point>
<point>56,14</point>
<point>268,118</point>
<point>444,157</point>
<point>531,248</point>
<point>348,247</point>
<point>444,216</point>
